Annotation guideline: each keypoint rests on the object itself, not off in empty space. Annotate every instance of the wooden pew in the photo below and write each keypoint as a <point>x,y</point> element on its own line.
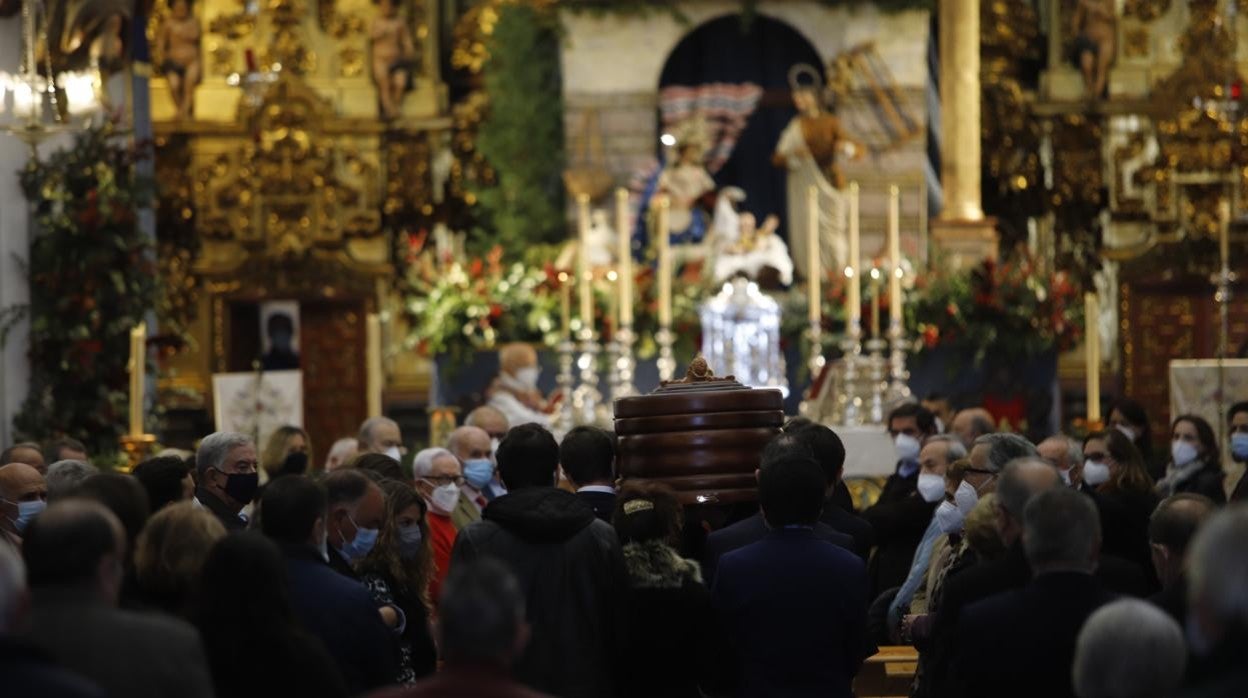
<point>888,673</point>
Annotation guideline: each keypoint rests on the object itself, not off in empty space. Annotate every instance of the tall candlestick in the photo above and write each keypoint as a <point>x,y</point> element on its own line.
<point>612,303</point>
<point>814,303</point>
<point>372,337</point>
<point>582,266</point>
<point>565,305</point>
<point>875,303</point>
<point>894,255</point>
<point>1092,343</point>
<point>138,376</point>
<point>1224,236</point>
<point>665,263</point>
<point>853,299</point>
<point>625,254</point>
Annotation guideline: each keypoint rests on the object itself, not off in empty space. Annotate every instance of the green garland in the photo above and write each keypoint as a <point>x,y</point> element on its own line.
<point>92,278</point>
<point>522,134</point>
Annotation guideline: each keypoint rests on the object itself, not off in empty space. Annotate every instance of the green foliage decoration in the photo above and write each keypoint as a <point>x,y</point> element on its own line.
<point>92,278</point>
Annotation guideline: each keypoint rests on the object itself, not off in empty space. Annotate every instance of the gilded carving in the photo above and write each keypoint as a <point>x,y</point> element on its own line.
<point>1145,10</point>
<point>1135,42</point>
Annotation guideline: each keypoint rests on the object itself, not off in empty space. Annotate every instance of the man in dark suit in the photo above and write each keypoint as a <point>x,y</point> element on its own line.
<point>794,607</point>
<point>1171,528</point>
<point>829,451</point>
<point>587,456</point>
<point>356,506</point>
<point>331,606</point>
<point>900,516</point>
<point>1022,643</point>
<point>228,477</point>
<point>755,528</point>
<point>74,553</point>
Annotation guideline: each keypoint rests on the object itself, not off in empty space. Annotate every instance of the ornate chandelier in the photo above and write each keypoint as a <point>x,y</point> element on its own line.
<point>35,105</point>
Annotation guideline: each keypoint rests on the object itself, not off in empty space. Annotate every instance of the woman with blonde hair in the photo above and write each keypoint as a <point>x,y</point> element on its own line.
<point>285,453</point>
<point>169,556</point>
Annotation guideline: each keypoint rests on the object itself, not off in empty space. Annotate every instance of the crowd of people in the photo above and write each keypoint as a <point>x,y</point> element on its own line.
<point>509,563</point>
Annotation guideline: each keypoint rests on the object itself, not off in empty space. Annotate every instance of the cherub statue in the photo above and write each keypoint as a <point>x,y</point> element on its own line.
<point>179,42</point>
<point>394,57</point>
<point>1094,27</point>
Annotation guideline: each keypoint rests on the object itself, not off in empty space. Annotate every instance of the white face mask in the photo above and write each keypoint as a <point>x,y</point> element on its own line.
<point>1183,453</point>
<point>1095,473</point>
<point>907,447</point>
<point>966,498</point>
<point>528,376</point>
<point>949,518</point>
<point>394,453</point>
<point>931,487</point>
<point>445,498</point>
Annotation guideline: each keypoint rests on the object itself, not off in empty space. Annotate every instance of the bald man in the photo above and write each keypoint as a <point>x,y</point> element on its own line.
<point>515,393</point>
<point>471,446</point>
<point>23,495</point>
<point>28,453</point>
<point>491,419</point>
<point>972,423</point>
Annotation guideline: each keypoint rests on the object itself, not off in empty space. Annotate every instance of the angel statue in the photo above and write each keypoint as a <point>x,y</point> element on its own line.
<point>394,57</point>
<point>808,148</point>
<point>742,247</point>
<point>1094,27</point>
<point>178,42</point>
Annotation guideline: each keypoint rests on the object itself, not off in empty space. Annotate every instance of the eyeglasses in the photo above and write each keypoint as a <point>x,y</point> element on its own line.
<point>443,480</point>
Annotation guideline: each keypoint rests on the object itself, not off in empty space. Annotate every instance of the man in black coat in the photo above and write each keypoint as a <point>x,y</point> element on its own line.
<point>331,606</point>
<point>587,456</point>
<point>829,451</point>
<point>1170,529</point>
<point>568,563</point>
<point>900,516</point>
<point>1022,643</point>
<point>73,553</point>
<point>794,607</point>
<point>755,528</point>
<point>228,477</point>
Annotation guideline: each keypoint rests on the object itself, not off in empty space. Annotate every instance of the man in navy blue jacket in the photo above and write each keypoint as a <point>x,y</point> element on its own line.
<point>794,606</point>
<point>331,606</point>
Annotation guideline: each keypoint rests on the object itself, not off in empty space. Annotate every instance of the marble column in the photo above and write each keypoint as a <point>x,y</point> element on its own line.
<point>961,230</point>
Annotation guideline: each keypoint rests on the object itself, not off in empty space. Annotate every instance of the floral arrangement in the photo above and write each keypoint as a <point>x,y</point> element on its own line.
<point>1006,309</point>
<point>93,277</point>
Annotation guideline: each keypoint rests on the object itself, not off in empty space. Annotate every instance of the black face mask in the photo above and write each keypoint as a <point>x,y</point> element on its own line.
<point>241,487</point>
<point>295,464</point>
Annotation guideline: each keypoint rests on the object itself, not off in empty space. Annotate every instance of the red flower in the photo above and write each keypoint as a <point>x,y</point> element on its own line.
<point>475,269</point>
<point>496,311</point>
<point>931,336</point>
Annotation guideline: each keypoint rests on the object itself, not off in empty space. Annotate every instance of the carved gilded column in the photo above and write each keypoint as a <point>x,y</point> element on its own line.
<point>961,229</point>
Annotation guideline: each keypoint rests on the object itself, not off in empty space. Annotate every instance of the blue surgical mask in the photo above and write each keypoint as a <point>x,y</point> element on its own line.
<point>1239,446</point>
<point>26,512</point>
<point>1183,453</point>
<point>362,544</point>
<point>478,472</point>
<point>410,539</point>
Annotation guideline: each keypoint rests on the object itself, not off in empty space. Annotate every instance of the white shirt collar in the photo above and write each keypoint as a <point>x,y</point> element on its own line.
<point>606,489</point>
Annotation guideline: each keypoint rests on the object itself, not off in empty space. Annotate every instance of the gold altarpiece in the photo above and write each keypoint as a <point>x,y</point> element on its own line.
<point>287,185</point>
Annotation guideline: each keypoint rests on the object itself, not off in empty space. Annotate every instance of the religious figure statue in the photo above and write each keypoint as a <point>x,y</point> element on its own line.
<point>81,33</point>
<point>394,57</point>
<point>601,240</point>
<point>685,182</point>
<point>1094,27</point>
<point>808,148</point>
<point>179,42</point>
<point>745,248</point>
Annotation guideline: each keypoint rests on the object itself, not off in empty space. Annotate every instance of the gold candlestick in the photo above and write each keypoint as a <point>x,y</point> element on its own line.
<point>138,377</point>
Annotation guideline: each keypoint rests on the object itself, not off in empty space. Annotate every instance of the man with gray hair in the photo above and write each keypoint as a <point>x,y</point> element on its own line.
<point>1217,596</point>
<point>64,475</point>
<point>1066,454</point>
<point>226,462</point>
<point>989,455</point>
<point>1129,649</point>
<point>1018,643</point>
<point>381,435</point>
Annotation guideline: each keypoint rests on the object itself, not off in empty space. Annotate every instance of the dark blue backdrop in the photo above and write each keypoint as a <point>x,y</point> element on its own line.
<point>726,50</point>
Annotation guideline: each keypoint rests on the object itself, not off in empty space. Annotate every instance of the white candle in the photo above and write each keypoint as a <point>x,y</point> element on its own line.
<point>138,376</point>
<point>894,255</point>
<point>625,252</point>
<point>565,305</point>
<point>665,263</point>
<point>1092,343</point>
<point>372,340</point>
<point>853,298</point>
<point>815,303</point>
<point>582,267</point>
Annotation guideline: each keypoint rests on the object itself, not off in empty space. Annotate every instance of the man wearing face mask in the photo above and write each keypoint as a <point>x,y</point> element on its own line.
<point>1237,420</point>
<point>496,425</point>
<point>471,445</point>
<point>228,479</point>
<point>1066,454</point>
<point>382,435</point>
<point>334,608</point>
<point>356,507</point>
<point>515,392</point>
<point>23,495</point>
<point>900,515</point>
<point>438,479</point>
